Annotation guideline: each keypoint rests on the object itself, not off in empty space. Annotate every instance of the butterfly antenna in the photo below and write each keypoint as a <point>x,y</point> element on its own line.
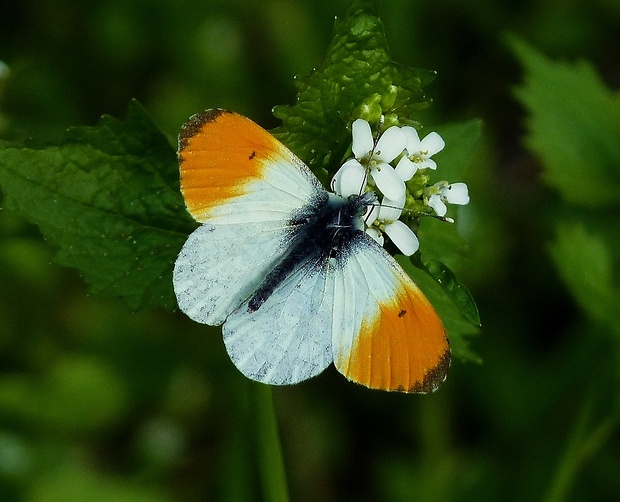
<point>445,219</point>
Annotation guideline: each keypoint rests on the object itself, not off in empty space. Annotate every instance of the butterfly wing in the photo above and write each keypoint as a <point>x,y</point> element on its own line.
<point>386,335</point>
<point>232,170</point>
<point>361,311</point>
<point>288,338</point>
<point>248,190</point>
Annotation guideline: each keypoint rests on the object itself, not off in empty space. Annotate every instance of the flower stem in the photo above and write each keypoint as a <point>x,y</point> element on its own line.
<point>581,447</point>
<point>269,453</point>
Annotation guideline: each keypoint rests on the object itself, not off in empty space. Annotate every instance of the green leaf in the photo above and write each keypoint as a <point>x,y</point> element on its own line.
<point>357,68</point>
<point>108,197</point>
<point>585,264</point>
<point>455,289</point>
<point>574,127</point>
<point>441,241</point>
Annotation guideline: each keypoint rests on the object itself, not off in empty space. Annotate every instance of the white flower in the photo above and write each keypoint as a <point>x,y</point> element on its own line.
<point>442,193</point>
<point>350,178</point>
<point>385,219</point>
<point>419,153</point>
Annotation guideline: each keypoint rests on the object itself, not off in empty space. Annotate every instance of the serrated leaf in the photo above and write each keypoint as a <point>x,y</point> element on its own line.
<point>108,197</point>
<point>356,66</point>
<point>585,264</point>
<point>574,126</point>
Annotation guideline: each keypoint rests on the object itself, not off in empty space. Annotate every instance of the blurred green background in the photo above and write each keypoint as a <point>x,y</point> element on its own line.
<point>97,404</point>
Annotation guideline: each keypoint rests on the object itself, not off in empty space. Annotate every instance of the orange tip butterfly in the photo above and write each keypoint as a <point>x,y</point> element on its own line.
<point>287,269</point>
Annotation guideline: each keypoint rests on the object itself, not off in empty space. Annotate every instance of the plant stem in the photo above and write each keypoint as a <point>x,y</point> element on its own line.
<point>269,452</point>
<point>580,449</point>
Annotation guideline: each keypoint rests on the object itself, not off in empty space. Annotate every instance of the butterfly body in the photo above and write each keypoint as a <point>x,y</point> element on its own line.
<point>288,270</point>
<point>323,234</point>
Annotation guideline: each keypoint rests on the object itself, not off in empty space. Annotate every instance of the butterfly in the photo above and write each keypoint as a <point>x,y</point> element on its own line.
<point>287,270</point>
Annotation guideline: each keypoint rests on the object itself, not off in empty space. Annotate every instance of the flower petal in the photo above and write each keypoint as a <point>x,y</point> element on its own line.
<point>334,184</point>
<point>406,169</point>
<point>390,145</point>
<point>388,181</point>
<point>362,138</point>
<point>437,204</point>
<point>456,193</point>
<point>413,140</point>
<point>391,209</point>
<point>376,235</point>
<point>432,143</point>
<point>350,179</point>
<point>403,237</point>
<point>427,164</point>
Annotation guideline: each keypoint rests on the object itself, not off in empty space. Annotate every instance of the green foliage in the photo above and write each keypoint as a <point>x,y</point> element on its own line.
<point>108,197</point>
<point>454,288</point>
<point>441,243</point>
<point>574,126</point>
<point>357,75</point>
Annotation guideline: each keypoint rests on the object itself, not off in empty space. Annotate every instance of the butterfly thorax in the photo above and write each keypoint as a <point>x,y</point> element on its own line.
<point>322,234</point>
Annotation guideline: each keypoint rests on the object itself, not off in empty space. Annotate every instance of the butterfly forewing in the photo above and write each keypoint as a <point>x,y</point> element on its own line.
<point>386,334</point>
<point>246,188</point>
<point>233,170</point>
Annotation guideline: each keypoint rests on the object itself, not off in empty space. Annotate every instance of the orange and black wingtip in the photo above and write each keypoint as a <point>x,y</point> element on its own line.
<point>195,124</point>
<point>434,378</point>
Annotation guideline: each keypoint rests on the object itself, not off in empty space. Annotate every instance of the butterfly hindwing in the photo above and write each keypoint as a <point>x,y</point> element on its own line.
<point>288,338</point>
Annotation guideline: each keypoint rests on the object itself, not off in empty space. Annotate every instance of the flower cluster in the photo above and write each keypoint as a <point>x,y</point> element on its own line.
<point>386,164</point>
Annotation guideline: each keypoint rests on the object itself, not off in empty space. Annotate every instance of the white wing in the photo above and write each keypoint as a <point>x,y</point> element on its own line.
<point>361,311</point>
<point>220,265</point>
<point>288,339</point>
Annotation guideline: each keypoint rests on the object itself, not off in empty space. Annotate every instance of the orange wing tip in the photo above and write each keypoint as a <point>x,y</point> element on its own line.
<point>195,124</point>
<point>402,347</point>
<point>433,378</point>
<point>220,154</point>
